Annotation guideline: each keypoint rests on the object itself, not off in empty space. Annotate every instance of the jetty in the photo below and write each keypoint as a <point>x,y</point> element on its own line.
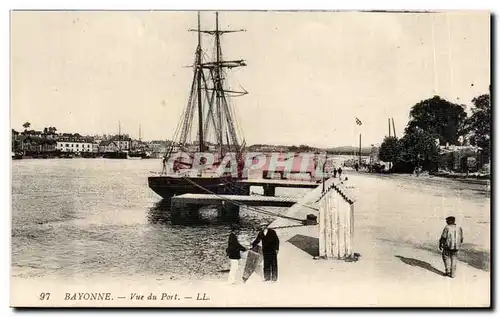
<point>228,205</point>
<point>269,185</point>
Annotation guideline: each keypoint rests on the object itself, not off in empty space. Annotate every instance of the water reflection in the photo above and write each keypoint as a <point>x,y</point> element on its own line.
<point>161,213</point>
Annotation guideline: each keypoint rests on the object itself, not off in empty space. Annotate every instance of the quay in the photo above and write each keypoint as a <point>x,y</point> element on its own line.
<point>228,205</point>
<point>269,185</point>
<point>389,271</point>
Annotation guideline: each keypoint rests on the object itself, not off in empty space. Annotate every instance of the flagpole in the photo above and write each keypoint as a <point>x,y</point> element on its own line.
<point>358,122</point>
<point>360,148</point>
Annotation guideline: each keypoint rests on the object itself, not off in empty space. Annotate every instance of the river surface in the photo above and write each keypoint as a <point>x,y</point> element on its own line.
<point>82,217</point>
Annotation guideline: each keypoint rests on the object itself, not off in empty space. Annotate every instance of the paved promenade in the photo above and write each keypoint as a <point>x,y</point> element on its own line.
<point>396,267</point>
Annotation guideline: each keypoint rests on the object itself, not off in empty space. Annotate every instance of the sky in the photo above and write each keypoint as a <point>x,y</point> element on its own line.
<point>309,74</point>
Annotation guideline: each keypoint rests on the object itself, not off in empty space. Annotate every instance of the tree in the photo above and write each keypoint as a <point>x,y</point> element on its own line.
<point>440,117</point>
<point>479,123</point>
<point>390,150</point>
<point>26,126</point>
<point>420,149</point>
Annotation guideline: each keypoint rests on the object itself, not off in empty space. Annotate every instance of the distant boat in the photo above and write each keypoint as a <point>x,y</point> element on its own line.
<point>120,154</point>
<point>216,129</point>
<point>138,152</point>
<point>115,155</point>
<point>67,155</point>
<point>138,155</point>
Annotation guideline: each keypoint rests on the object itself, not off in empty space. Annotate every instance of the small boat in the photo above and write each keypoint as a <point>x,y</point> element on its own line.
<point>115,155</point>
<point>67,155</point>
<point>139,155</point>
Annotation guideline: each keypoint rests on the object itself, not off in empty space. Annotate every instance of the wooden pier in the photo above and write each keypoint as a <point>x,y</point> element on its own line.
<point>228,205</point>
<point>269,185</point>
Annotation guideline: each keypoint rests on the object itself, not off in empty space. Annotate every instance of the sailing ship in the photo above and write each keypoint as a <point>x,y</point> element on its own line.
<point>216,130</point>
<point>138,152</point>
<point>120,154</point>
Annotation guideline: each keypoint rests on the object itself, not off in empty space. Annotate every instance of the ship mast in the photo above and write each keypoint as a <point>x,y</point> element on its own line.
<point>219,115</point>
<point>218,88</point>
<point>198,87</point>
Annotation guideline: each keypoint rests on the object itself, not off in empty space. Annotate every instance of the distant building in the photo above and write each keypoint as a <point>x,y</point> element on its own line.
<point>74,143</point>
<point>113,146</point>
<point>38,145</point>
<point>50,135</point>
<point>460,158</point>
<point>122,142</point>
<point>74,146</point>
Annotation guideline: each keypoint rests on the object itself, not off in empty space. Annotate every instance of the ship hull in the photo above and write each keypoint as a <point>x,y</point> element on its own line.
<point>138,156</point>
<point>168,186</point>
<point>115,155</point>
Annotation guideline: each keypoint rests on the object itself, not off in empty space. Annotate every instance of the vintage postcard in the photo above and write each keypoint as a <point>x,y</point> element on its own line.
<point>250,159</point>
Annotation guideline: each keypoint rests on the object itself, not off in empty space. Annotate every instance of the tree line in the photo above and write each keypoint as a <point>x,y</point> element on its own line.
<point>434,122</point>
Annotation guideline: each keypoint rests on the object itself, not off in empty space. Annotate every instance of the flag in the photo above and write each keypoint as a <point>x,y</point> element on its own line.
<point>358,122</point>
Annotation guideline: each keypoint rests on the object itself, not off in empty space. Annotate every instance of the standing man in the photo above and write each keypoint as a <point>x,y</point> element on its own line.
<point>270,248</point>
<point>449,243</point>
<point>340,172</point>
<point>233,252</point>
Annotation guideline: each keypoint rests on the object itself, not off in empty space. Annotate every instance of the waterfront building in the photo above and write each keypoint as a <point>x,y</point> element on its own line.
<point>122,142</point>
<point>74,143</point>
<point>107,146</point>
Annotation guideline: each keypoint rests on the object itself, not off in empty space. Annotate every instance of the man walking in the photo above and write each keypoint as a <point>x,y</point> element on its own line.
<point>449,243</point>
<point>270,248</point>
<point>233,252</point>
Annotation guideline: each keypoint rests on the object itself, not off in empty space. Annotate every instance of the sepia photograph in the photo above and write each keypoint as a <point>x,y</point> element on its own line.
<point>168,158</point>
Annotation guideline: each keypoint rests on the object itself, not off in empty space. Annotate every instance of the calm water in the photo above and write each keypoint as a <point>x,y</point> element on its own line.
<point>82,217</point>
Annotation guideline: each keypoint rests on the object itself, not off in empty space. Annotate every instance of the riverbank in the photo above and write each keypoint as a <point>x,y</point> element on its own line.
<point>397,226</point>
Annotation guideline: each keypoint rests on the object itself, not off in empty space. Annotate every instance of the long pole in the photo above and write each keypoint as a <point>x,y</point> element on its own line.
<point>119,136</point>
<point>360,148</point>
<point>198,69</point>
<point>389,125</point>
<point>393,128</point>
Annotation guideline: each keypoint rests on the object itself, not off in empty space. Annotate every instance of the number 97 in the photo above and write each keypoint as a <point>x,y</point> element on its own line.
<point>44,296</point>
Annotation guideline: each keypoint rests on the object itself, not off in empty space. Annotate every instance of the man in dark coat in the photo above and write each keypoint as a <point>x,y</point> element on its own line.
<point>233,252</point>
<point>270,248</point>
